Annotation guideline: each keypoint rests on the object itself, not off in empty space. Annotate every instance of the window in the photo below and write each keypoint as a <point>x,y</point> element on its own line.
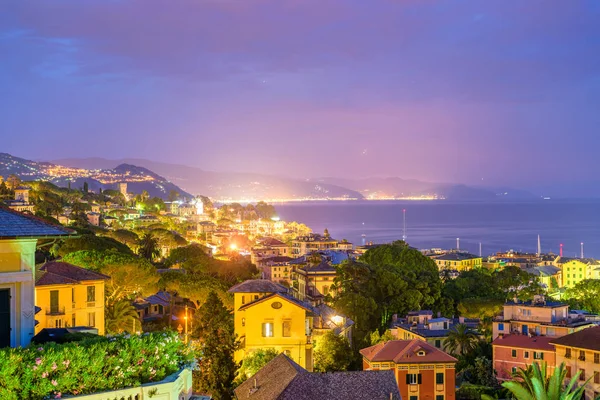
<point>54,301</point>
<point>91,294</point>
<point>267,329</point>
<point>514,370</point>
<point>439,397</point>
<point>58,323</point>
<point>582,375</point>
<point>243,321</point>
<point>243,299</point>
<point>596,377</point>
<point>568,371</point>
<point>439,378</point>
<point>514,353</point>
<point>582,355</point>
<point>438,343</point>
<point>414,398</point>
<point>287,328</point>
<point>73,321</point>
<point>567,353</point>
<point>596,358</point>
<point>92,319</point>
<point>413,379</point>
<point>538,355</point>
<point>525,354</point>
<point>501,326</point>
<point>73,295</point>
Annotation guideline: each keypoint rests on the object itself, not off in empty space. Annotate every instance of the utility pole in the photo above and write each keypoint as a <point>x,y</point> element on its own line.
<point>539,247</point>
<point>457,243</point>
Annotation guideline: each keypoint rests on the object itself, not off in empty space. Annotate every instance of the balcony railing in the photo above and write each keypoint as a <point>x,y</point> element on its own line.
<point>55,311</point>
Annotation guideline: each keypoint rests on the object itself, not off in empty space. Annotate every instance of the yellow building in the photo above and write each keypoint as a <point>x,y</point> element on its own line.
<point>312,242</point>
<point>580,351</point>
<point>18,239</point>
<point>265,316</point>
<point>69,296</point>
<point>458,261</point>
<point>314,281</point>
<point>576,270</point>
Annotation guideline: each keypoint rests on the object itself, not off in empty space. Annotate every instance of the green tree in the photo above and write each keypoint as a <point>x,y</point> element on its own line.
<point>85,187</point>
<point>536,384</point>
<point>91,242</point>
<point>253,362</point>
<point>585,295</point>
<point>332,353</point>
<point>148,247</point>
<point>129,280</point>
<point>216,336</point>
<point>461,340</point>
<point>122,317</point>
<point>376,338</point>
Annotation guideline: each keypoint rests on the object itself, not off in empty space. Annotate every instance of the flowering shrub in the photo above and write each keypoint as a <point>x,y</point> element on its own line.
<point>89,366</point>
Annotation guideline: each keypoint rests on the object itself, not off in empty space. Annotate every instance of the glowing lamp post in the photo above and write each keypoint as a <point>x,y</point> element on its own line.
<point>337,319</point>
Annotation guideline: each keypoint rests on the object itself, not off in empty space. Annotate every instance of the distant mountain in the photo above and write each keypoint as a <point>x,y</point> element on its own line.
<point>138,178</point>
<point>241,185</point>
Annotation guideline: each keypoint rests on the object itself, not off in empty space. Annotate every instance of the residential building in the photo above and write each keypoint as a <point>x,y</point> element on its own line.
<point>312,242</point>
<point>537,317</point>
<point>549,276</point>
<point>313,282</point>
<point>19,234</point>
<point>69,296</point>
<point>21,201</point>
<point>421,325</point>
<point>267,248</point>
<point>421,370</point>
<point>580,351</point>
<point>283,379</point>
<point>276,268</point>
<point>512,352</point>
<point>458,261</point>
<point>266,316</point>
<point>577,269</point>
<point>93,218</point>
<point>163,305</point>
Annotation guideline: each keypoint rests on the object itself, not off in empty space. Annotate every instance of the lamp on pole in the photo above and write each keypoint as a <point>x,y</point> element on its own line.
<point>186,323</point>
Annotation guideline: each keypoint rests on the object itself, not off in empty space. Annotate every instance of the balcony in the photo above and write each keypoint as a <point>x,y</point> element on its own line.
<point>90,304</point>
<point>55,310</point>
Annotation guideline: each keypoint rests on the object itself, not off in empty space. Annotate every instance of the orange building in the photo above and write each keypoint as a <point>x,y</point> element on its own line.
<point>512,352</point>
<point>422,371</point>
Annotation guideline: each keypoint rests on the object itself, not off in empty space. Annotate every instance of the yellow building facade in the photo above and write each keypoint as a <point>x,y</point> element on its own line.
<point>265,316</point>
<point>576,270</point>
<point>69,296</point>
<point>314,281</point>
<point>458,261</point>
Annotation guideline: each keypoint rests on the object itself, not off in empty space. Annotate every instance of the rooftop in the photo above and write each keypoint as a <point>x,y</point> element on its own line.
<point>585,339</point>
<point>62,273</point>
<point>457,257</point>
<point>283,379</point>
<point>258,286</point>
<point>533,303</point>
<point>272,242</point>
<point>14,224</point>
<point>544,270</point>
<point>406,351</point>
<point>525,342</point>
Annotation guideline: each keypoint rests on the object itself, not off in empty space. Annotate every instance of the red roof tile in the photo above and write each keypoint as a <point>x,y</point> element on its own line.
<point>525,342</point>
<point>406,351</point>
<point>588,338</point>
<point>62,273</point>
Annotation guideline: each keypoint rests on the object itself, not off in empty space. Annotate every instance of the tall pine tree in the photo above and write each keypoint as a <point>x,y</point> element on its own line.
<point>214,330</point>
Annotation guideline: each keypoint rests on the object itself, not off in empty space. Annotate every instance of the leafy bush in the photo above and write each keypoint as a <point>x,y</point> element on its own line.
<point>90,366</point>
<point>468,391</point>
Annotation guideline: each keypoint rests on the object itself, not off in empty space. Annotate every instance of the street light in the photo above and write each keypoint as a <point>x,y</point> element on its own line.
<point>337,319</point>
<point>186,323</point>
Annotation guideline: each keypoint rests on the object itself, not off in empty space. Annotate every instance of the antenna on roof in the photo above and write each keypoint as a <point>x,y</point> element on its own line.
<point>581,249</point>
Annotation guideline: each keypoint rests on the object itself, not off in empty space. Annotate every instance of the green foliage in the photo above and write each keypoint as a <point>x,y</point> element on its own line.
<point>469,391</point>
<point>332,353</point>
<point>461,340</point>
<point>122,317</point>
<point>585,295</point>
<point>127,237</point>
<point>91,242</point>
<point>481,372</point>
<point>148,247</point>
<point>376,338</point>
<point>215,333</point>
<point>193,257</point>
<point>535,384</point>
<point>89,366</point>
<point>253,362</point>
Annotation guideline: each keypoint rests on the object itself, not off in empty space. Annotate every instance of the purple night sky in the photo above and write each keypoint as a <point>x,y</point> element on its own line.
<point>457,91</point>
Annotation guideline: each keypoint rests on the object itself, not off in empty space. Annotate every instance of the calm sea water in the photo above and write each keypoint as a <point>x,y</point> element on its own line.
<point>498,226</point>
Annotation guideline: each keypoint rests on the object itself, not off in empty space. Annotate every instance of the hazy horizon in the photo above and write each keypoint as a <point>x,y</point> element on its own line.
<point>487,94</point>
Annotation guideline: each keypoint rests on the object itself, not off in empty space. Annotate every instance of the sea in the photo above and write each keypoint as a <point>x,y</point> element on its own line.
<point>497,226</point>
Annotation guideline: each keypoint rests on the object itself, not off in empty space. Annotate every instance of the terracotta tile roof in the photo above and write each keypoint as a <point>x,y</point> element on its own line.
<point>306,305</point>
<point>588,338</point>
<point>61,273</point>
<point>406,351</point>
<point>272,242</point>
<point>258,286</point>
<point>14,224</point>
<point>525,342</point>
<point>283,379</point>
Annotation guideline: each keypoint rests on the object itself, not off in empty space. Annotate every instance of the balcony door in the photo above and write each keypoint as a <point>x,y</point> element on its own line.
<point>5,317</point>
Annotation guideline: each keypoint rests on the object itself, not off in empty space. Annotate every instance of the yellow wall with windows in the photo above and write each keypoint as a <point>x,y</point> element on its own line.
<point>585,361</point>
<point>74,307</point>
<point>322,282</point>
<point>254,333</point>
<point>574,272</point>
<point>460,265</point>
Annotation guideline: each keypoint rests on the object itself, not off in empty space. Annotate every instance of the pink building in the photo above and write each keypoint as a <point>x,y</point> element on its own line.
<point>512,352</point>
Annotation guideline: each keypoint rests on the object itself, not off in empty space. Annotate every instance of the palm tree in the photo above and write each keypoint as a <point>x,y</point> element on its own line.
<point>121,317</point>
<point>148,247</point>
<point>534,384</point>
<point>461,340</point>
